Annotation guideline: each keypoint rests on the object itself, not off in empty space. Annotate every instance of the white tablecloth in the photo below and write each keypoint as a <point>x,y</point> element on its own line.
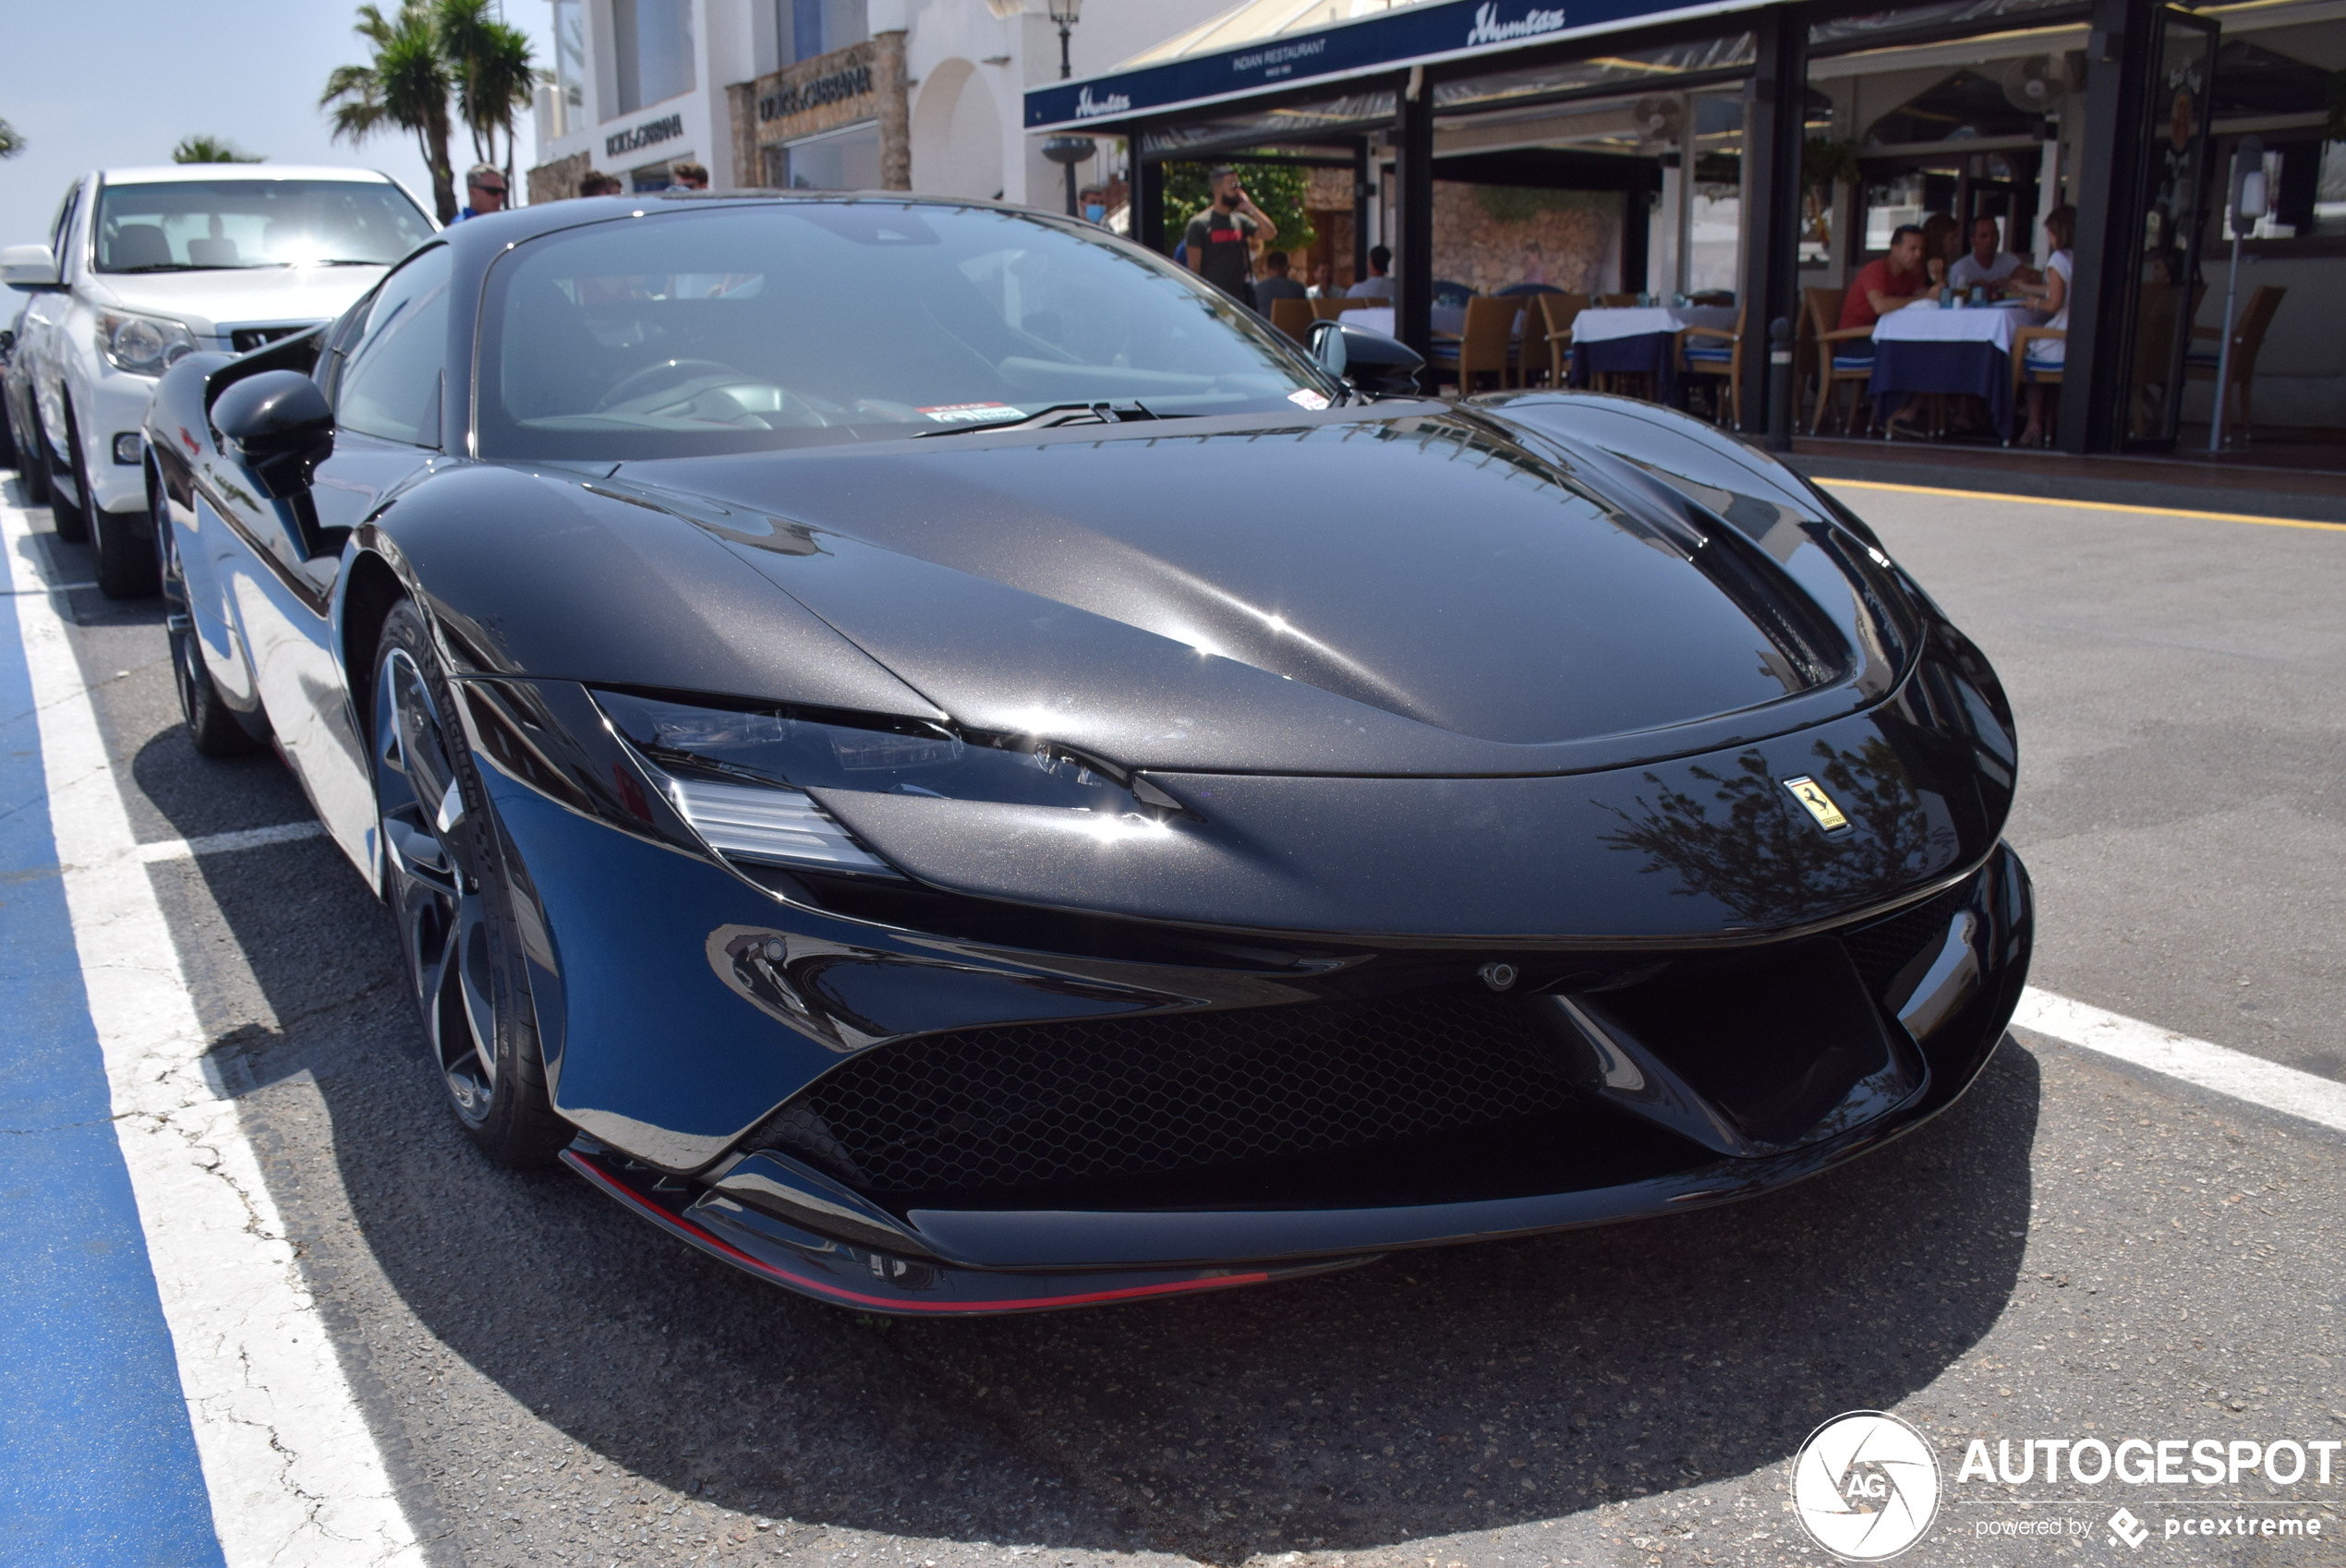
<point>1996,324</point>
<point>1600,323</point>
<point>1379,319</point>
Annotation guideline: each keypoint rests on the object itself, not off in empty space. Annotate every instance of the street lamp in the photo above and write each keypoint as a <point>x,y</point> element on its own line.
<point>1068,150</point>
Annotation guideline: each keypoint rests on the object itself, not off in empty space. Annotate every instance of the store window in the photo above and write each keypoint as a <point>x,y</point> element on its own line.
<point>804,28</point>
<point>653,50</point>
<point>570,65</point>
<point>840,160</point>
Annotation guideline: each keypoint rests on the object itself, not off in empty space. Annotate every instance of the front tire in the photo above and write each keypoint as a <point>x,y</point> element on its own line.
<point>445,876</point>
<point>213,726</point>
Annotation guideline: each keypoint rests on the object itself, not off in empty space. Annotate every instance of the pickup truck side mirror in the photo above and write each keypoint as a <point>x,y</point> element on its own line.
<point>278,426</point>
<point>29,268</point>
<point>1369,359</point>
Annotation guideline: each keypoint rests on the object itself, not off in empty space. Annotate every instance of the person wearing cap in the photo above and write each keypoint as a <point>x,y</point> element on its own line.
<point>484,191</point>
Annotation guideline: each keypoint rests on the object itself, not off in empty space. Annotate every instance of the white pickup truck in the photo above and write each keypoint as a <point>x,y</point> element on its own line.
<point>145,265</point>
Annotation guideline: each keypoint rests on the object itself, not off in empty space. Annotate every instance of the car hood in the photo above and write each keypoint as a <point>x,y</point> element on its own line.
<point>1423,593</point>
<point>207,302</point>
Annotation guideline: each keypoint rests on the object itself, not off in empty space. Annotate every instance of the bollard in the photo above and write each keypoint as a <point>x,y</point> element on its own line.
<point>1778,385</point>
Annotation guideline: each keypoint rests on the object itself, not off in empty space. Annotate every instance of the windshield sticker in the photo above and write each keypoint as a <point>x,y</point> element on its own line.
<point>964,413</point>
<point>1305,397</point>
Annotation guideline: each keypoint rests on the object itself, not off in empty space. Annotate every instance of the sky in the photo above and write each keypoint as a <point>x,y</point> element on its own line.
<point>94,84</point>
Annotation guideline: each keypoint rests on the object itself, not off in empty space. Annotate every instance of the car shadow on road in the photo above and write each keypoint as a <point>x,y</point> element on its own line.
<point>1434,1392</point>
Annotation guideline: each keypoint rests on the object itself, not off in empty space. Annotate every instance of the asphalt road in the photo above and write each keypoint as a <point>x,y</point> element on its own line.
<point>2073,1251</point>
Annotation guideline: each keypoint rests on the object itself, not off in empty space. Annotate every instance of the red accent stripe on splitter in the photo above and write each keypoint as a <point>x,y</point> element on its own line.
<point>894,1303</point>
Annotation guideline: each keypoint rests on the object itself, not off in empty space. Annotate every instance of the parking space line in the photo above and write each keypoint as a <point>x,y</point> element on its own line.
<point>293,1472</point>
<point>226,843</point>
<point>2234,1073</point>
<point>2084,505</point>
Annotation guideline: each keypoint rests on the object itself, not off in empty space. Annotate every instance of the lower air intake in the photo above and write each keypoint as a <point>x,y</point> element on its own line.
<point>1073,1103</point>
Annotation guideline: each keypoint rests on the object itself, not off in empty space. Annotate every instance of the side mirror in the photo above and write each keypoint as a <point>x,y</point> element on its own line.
<point>1370,360</point>
<point>278,426</point>
<point>28,269</point>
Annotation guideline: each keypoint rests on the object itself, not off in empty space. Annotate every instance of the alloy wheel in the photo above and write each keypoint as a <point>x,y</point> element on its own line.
<point>436,883</point>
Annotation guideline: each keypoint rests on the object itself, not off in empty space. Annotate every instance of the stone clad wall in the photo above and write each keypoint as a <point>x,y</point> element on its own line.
<point>863,81</point>
<point>558,181</point>
<point>1569,240</point>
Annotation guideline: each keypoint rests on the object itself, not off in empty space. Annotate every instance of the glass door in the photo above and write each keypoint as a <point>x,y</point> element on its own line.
<point>2168,286</point>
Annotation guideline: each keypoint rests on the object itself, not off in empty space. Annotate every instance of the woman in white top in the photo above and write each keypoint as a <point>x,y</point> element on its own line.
<point>2052,294</point>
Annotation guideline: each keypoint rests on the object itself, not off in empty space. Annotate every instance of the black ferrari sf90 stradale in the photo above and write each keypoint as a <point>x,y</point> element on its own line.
<point>924,752</point>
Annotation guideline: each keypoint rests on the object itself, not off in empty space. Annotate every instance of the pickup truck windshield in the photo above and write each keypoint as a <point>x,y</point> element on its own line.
<point>226,224</point>
<point>809,322</point>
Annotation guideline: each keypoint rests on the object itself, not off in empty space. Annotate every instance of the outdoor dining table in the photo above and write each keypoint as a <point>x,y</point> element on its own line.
<point>1639,340</point>
<point>1967,350</point>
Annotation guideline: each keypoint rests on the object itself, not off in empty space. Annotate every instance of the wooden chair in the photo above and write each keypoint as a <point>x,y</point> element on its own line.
<point>1617,301</point>
<point>1486,347</point>
<point>1709,351</point>
<point>2041,374</point>
<point>2248,340</point>
<point>2155,321</point>
<point>1817,304</point>
<point>1326,307</point>
<point>1834,366</point>
<point>1550,316</point>
<point>1294,316</point>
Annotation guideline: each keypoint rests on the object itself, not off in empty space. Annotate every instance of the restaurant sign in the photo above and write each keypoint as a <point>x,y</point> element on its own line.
<point>642,136</point>
<point>1389,41</point>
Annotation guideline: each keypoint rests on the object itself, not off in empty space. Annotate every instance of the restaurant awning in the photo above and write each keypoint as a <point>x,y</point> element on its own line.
<point>1282,43</point>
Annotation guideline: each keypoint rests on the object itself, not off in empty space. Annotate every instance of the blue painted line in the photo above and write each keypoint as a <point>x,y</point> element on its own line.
<point>97,1459</point>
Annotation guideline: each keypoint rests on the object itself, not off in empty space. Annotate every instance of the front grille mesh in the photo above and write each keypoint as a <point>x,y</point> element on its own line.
<point>1097,1101</point>
<point>1882,949</point>
<point>244,339</point>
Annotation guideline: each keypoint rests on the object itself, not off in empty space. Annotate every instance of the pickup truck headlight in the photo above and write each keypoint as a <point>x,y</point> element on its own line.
<point>741,777</point>
<point>144,346</point>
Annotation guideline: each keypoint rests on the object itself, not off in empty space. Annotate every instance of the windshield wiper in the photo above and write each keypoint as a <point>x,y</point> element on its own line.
<point>169,267</point>
<point>1102,412</point>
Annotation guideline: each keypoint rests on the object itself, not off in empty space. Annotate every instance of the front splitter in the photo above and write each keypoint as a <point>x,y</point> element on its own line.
<point>864,1280</point>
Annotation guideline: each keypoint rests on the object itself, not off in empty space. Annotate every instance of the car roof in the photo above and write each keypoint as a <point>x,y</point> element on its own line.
<point>168,174</point>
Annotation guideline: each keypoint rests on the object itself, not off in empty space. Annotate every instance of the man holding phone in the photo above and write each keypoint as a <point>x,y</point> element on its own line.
<point>1221,238</point>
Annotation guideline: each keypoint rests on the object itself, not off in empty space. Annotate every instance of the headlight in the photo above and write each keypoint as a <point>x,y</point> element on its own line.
<point>740,777</point>
<point>145,345</point>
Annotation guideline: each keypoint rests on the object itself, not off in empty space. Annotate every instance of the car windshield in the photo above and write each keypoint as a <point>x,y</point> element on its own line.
<point>218,225</point>
<point>796,323</point>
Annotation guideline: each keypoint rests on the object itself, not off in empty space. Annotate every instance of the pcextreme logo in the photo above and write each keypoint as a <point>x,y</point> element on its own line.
<point>1865,1486</point>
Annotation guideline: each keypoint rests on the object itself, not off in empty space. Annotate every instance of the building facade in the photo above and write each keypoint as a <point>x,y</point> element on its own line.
<point>920,95</point>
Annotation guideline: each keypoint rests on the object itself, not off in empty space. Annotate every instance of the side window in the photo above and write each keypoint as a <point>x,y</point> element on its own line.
<point>390,381</point>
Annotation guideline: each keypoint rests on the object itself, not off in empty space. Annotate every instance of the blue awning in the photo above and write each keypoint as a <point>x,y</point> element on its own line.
<point>1393,40</point>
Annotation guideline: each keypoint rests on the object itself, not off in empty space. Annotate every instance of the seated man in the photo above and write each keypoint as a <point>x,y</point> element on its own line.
<point>1985,265</point>
<point>1276,283</point>
<point>1886,283</point>
<point>1378,284</point>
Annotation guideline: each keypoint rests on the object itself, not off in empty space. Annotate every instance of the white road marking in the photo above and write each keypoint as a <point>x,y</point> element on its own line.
<point>293,1471</point>
<point>2227,1072</point>
<point>224,843</point>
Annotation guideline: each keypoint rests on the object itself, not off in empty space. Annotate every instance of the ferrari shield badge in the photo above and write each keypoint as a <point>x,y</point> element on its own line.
<point>1810,793</point>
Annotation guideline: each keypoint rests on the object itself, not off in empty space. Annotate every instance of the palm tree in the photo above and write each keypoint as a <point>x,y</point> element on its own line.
<point>11,142</point>
<point>491,63</point>
<point>404,87</point>
<point>202,149</point>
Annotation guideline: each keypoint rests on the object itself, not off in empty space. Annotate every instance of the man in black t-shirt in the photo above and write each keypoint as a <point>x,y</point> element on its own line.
<point>1221,238</point>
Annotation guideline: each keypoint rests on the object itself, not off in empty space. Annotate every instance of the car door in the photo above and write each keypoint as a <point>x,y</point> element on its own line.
<point>43,320</point>
<point>386,389</point>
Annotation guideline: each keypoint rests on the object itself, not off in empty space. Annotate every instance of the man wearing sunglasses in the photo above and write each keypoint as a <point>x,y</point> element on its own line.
<point>484,191</point>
